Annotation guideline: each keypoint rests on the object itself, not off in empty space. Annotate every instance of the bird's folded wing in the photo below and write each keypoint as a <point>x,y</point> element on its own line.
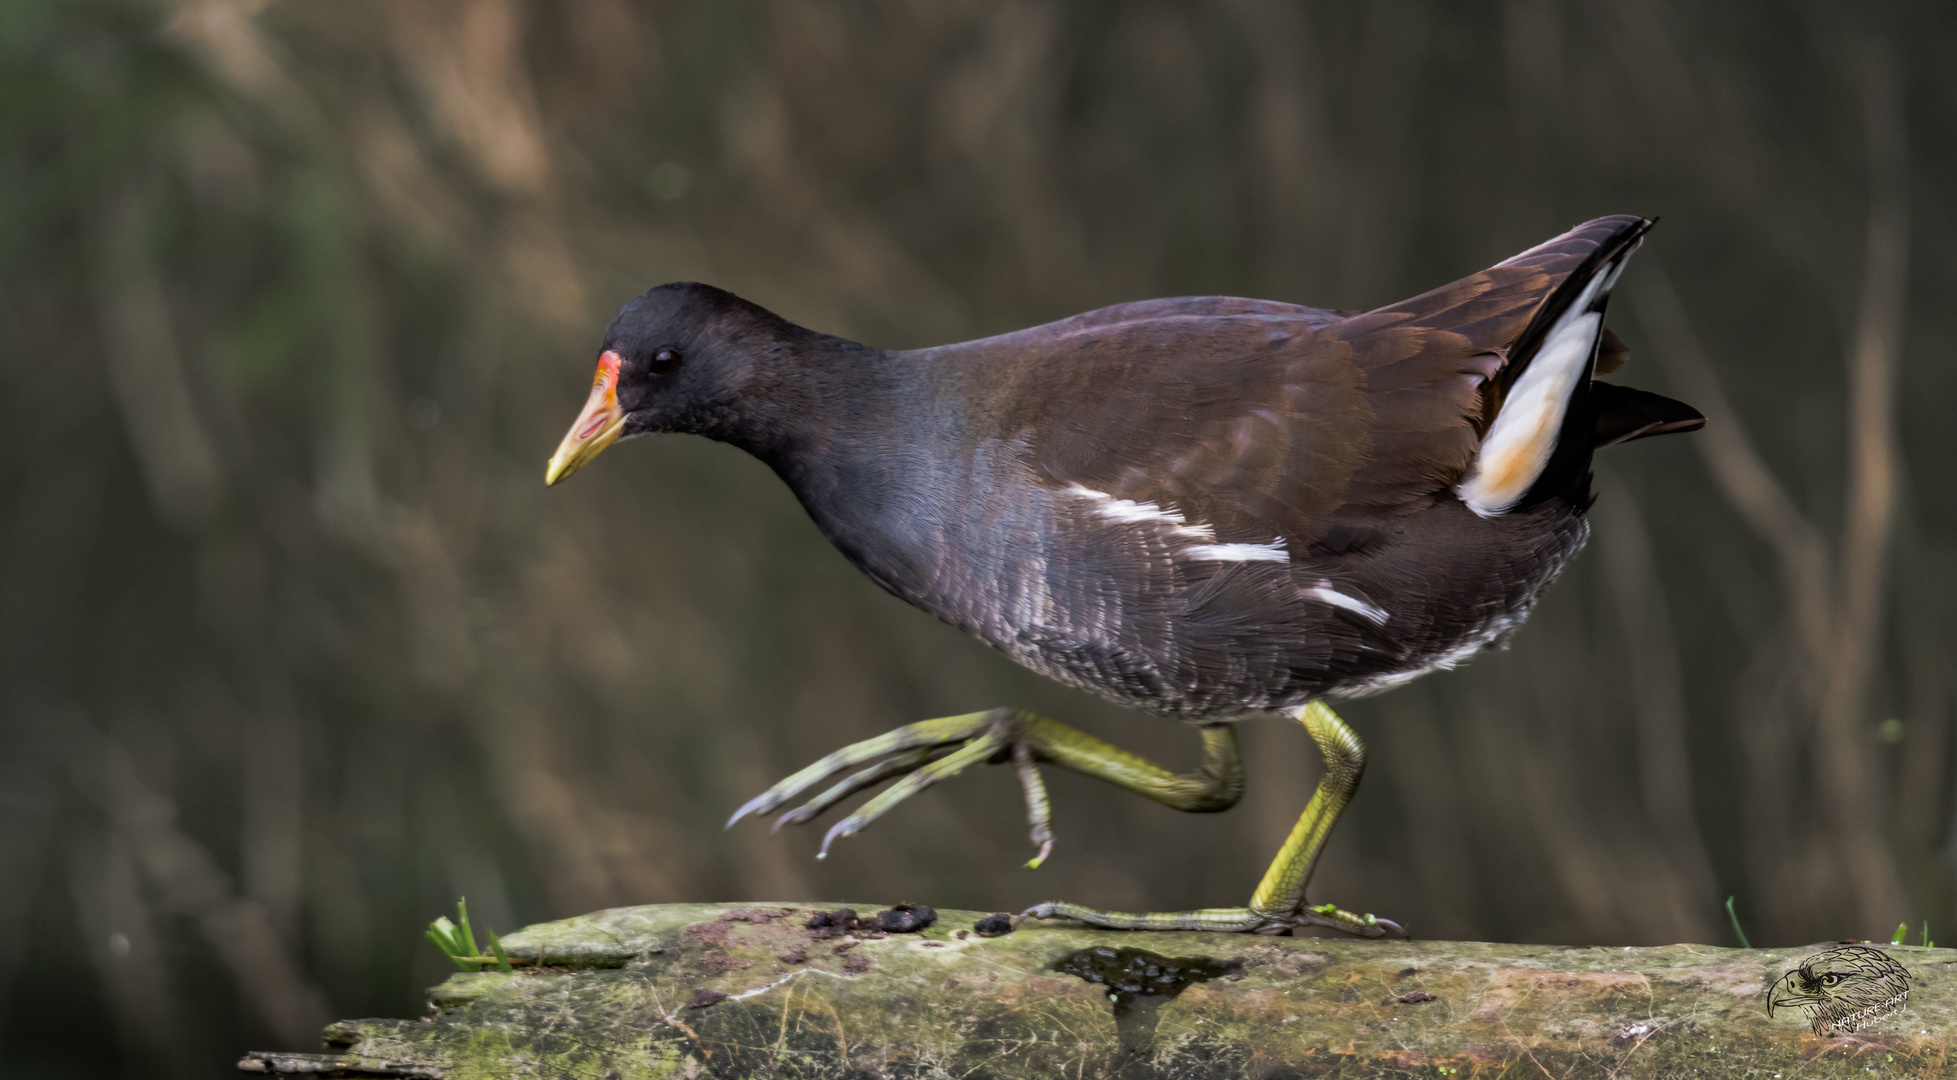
<point>1267,423</point>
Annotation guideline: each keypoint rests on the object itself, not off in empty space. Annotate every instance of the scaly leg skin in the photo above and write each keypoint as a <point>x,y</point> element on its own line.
<point>1278,906</point>
<point>932,750</point>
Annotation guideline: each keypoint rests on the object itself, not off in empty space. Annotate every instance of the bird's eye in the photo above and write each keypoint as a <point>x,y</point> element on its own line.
<point>1831,980</point>
<point>665,362</point>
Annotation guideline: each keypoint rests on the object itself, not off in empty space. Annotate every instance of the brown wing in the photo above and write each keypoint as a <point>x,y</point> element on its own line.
<point>1268,421</point>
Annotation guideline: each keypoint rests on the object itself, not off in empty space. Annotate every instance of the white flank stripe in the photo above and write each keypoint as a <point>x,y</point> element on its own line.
<point>1271,552</point>
<point>1523,436</point>
<point>1353,604</point>
<point>1129,512</point>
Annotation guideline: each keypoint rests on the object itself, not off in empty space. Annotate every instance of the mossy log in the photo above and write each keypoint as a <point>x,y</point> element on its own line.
<point>697,990</point>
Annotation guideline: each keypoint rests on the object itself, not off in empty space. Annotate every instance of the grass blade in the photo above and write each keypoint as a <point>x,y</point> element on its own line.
<point>496,947</point>
<point>1737,932</point>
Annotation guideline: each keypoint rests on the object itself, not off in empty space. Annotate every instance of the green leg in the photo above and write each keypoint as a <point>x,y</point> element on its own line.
<point>932,750</point>
<point>1278,904</point>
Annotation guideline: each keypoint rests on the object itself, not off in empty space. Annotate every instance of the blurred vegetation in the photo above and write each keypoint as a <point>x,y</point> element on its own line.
<point>295,299</point>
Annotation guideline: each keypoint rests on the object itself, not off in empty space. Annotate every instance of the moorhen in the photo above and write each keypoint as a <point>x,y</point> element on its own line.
<point>1207,508</point>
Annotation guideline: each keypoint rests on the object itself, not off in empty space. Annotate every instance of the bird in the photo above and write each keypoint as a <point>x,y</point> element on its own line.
<point>1842,990</point>
<point>1205,508</point>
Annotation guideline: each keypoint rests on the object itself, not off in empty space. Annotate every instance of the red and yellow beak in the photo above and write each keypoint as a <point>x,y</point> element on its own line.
<point>597,426</point>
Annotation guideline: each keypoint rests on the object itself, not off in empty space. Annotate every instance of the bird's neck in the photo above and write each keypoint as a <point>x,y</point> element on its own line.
<point>852,431</point>
<point>810,396</point>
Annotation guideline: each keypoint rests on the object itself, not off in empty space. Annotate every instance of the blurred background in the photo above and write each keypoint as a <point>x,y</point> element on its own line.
<point>296,298</point>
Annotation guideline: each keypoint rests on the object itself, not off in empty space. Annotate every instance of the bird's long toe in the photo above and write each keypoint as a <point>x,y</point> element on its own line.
<point>924,733</point>
<point>1358,924</point>
<point>860,781</point>
<point>974,751</point>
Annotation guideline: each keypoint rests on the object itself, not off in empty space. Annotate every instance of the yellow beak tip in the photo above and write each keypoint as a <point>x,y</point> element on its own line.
<point>576,452</point>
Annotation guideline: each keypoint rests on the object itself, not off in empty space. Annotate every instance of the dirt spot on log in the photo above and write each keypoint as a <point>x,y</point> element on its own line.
<point>831,924</point>
<point>997,924</point>
<point>857,964</point>
<point>906,918</point>
<point>721,965</point>
<point>703,997</point>
<point>709,933</point>
<point>798,955</point>
<point>715,932</point>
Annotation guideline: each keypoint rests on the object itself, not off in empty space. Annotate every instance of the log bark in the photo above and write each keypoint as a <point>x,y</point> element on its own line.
<point>696,990</point>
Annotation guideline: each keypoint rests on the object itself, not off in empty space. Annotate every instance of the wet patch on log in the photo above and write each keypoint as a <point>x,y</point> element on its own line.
<point>1138,983</point>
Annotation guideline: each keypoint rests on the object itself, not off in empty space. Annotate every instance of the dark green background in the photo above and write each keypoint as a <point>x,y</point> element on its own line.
<point>296,298</point>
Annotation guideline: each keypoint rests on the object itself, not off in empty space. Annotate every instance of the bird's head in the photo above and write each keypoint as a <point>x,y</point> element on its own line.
<point>679,357</point>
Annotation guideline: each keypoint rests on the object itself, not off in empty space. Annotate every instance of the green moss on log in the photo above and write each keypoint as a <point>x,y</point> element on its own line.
<point>749,990</point>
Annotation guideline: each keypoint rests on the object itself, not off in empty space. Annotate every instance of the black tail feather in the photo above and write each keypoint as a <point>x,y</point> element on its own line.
<point>1623,414</point>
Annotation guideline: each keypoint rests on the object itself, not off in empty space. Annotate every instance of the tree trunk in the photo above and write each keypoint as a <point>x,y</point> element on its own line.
<point>693,990</point>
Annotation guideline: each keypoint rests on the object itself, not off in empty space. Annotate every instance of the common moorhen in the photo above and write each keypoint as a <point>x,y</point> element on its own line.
<point>1202,507</point>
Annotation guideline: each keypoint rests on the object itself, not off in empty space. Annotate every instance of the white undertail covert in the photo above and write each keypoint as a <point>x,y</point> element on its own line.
<point>1519,443</point>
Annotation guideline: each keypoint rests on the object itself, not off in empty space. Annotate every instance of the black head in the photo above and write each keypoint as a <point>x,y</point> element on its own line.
<point>686,353</point>
<point>681,357</point>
